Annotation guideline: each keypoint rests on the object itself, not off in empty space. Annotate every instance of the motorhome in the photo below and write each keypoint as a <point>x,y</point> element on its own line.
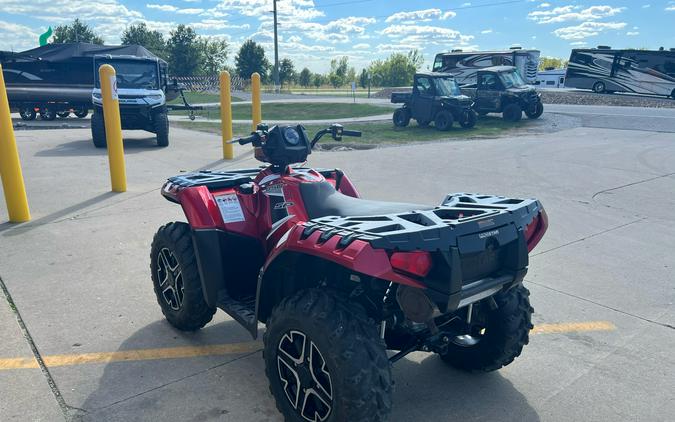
<point>603,69</point>
<point>464,65</point>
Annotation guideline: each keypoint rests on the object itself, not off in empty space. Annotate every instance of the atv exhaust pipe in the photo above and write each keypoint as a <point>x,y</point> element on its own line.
<point>417,306</point>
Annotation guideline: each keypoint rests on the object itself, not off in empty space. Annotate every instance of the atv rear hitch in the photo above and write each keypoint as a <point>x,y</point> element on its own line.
<point>435,343</point>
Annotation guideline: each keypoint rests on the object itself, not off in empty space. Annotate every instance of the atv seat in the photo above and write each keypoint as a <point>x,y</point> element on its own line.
<point>321,199</point>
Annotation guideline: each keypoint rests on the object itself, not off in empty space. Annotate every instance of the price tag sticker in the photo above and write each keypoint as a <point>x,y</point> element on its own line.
<point>230,208</point>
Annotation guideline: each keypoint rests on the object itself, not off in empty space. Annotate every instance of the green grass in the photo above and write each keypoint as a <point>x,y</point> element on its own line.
<point>381,132</point>
<point>298,111</point>
<point>194,97</point>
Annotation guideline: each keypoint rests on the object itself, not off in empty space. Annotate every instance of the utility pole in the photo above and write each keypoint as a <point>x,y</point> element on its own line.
<point>276,49</point>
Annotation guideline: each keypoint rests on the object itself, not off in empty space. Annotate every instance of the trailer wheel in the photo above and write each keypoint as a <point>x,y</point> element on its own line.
<point>27,113</point>
<point>443,120</point>
<point>82,113</point>
<point>469,120</point>
<point>98,130</point>
<point>63,114</point>
<point>161,125</point>
<point>599,87</point>
<point>512,112</point>
<point>401,117</point>
<point>47,114</point>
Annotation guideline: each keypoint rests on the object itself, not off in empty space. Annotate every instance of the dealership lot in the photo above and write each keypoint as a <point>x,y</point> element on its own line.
<point>601,280</point>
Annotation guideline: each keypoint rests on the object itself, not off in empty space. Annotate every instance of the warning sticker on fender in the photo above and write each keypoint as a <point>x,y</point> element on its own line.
<point>230,209</point>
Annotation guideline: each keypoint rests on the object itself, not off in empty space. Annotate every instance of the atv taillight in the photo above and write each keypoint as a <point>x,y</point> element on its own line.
<point>536,229</point>
<point>417,263</point>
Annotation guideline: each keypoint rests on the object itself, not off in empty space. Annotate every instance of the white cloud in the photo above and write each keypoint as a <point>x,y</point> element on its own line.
<point>632,33</point>
<point>544,5</point>
<point>568,13</point>
<point>670,8</point>
<point>486,31</point>
<point>586,29</point>
<point>17,37</point>
<point>361,46</point>
<point>162,7</point>
<point>424,15</point>
<point>190,11</point>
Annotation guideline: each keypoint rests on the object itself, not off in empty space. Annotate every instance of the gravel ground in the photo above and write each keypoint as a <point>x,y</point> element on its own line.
<point>590,98</point>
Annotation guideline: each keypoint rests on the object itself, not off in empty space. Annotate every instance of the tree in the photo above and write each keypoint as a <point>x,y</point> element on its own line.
<point>305,78</point>
<point>551,62</point>
<point>184,48</point>
<point>77,31</point>
<point>251,58</point>
<point>318,80</point>
<point>338,71</point>
<point>286,71</point>
<point>141,35</point>
<point>351,75</point>
<point>214,55</point>
<point>397,70</point>
<point>363,78</point>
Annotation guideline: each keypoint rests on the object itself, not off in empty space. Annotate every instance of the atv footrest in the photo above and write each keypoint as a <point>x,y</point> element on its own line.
<point>243,311</point>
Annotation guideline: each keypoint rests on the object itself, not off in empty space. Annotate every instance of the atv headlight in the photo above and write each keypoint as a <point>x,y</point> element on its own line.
<point>155,97</point>
<point>96,95</point>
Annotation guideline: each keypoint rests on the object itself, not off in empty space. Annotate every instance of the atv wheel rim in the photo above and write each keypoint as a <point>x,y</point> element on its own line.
<point>170,278</point>
<point>304,376</point>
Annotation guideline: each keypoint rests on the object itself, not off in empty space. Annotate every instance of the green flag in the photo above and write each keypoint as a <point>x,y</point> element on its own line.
<point>44,37</point>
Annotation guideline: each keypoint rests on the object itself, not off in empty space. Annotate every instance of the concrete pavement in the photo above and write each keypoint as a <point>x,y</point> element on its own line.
<point>78,274</point>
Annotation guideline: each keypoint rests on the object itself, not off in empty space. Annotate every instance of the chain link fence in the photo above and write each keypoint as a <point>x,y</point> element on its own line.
<point>209,83</point>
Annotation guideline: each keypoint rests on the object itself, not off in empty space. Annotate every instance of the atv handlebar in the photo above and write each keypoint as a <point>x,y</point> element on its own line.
<point>337,132</point>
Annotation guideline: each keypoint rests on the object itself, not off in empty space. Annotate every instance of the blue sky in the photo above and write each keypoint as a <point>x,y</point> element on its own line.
<point>314,31</point>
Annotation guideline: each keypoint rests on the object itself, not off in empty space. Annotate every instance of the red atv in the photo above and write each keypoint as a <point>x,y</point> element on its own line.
<point>339,280</point>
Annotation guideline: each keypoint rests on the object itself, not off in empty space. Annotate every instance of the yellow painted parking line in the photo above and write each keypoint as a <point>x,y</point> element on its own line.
<point>233,348</point>
<point>132,355</point>
<point>572,327</point>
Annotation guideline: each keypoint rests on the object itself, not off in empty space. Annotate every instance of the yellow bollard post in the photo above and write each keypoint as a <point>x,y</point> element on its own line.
<point>113,128</point>
<point>226,115</point>
<point>256,109</point>
<point>10,166</point>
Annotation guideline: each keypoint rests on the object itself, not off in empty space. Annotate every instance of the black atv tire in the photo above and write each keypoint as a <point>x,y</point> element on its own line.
<point>63,114</point>
<point>47,114</point>
<point>538,111</point>
<point>506,333</point>
<point>81,114</point>
<point>469,120</point>
<point>672,94</point>
<point>599,87</point>
<point>27,113</point>
<point>179,291</point>
<point>443,120</point>
<point>512,113</point>
<point>98,130</point>
<point>349,348</point>
<point>401,117</point>
<point>161,128</point>
<point>423,123</point>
